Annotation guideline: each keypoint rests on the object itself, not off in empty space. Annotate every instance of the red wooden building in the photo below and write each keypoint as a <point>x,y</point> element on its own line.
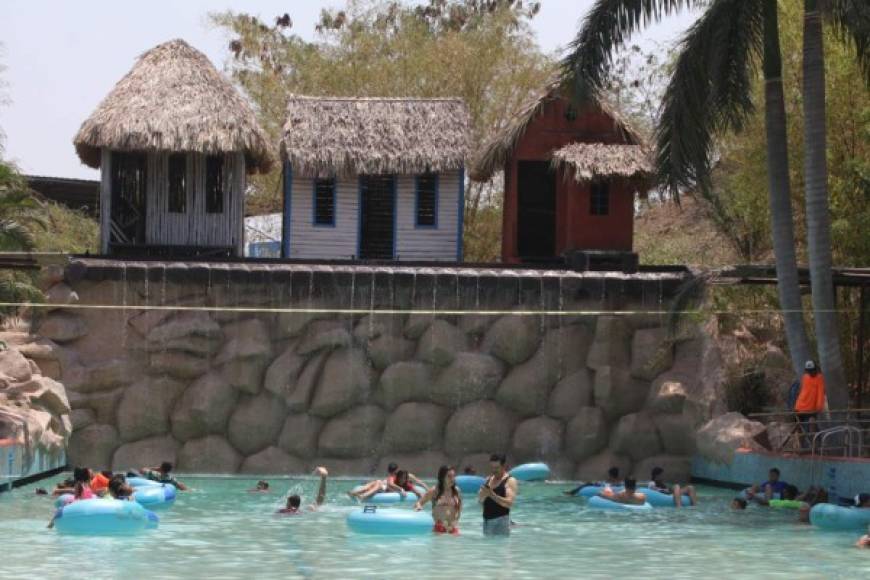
<point>570,176</point>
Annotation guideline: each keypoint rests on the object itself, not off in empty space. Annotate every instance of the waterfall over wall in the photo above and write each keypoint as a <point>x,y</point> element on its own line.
<point>273,368</point>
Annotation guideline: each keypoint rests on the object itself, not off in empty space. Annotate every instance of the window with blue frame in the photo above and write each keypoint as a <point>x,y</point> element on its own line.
<point>427,200</point>
<point>324,202</point>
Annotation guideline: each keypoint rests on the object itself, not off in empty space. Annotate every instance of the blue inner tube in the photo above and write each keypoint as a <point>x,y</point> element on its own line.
<point>599,503</point>
<point>142,482</point>
<point>389,522</point>
<point>531,472</point>
<point>104,517</point>
<point>469,483</point>
<point>394,497</point>
<point>593,490</point>
<point>833,517</point>
<point>659,499</point>
<point>155,496</point>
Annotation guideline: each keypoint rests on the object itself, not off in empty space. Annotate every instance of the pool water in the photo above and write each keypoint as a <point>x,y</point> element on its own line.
<point>217,530</point>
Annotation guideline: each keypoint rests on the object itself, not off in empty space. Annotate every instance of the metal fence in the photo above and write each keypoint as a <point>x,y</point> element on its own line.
<point>834,433</point>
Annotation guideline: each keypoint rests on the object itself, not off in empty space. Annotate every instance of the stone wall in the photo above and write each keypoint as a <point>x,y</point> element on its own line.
<point>226,368</point>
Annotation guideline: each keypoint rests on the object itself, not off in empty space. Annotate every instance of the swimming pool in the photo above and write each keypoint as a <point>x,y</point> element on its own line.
<point>219,531</point>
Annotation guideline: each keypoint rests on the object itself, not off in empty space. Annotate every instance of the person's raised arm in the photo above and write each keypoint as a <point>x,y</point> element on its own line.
<point>484,491</point>
<point>417,481</point>
<point>321,491</point>
<point>427,497</point>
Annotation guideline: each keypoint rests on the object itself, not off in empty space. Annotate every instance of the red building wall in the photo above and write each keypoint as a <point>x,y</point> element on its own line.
<point>576,228</point>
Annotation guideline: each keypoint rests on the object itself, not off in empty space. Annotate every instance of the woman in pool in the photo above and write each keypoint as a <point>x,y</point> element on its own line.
<point>446,502</point>
<point>119,489</point>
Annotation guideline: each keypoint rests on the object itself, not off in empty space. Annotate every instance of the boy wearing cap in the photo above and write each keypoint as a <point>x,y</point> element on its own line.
<point>811,400</point>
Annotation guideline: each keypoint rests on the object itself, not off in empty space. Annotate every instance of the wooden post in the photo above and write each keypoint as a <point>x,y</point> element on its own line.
<point>105,200</point>
<point>285,224</point>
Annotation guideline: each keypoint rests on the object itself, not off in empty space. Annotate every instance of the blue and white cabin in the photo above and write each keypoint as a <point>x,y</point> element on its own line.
<point>376,179</point>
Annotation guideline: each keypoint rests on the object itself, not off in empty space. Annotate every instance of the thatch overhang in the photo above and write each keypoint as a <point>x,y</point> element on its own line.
<point>174,99</point>
<point>585,162</point>
<point>353,136</point>
<point>496,153</point>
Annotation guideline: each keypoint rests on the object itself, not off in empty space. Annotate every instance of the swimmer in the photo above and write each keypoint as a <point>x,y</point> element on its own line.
<point>100,482</point>
<point>66,486</point>
<point>163,474</point>
<point>809,498</point>
<point>628,495</point>
<point>611,481</point>
<point>657,484</point>
<point>262,487</point>
<point>764,492</point>
<point>294,502</point>
<point>469,470</point>
<point>81,488</point>
<point>738,503</point>
<point>385,485</point>
<point>864,541</point>
<point>446,502</point>
<point>403,484</point>
<point>497,496</point>
<point>119,488</point>
<point>41,491</point>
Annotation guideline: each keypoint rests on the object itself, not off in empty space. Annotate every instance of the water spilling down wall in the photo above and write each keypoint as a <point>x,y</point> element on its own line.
<point>260,368</point>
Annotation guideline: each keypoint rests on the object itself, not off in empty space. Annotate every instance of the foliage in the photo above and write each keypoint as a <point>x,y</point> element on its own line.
<point>483,52</point>
<point>67,230</point>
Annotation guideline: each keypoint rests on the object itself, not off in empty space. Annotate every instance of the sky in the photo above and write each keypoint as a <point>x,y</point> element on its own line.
<point>61,58</point>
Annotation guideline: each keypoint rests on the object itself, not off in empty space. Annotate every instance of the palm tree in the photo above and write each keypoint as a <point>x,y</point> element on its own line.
<point>851,19</point>
<point>709,92</point>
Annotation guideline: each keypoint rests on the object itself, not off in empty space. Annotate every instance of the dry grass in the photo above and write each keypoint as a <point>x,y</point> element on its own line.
<point>351,136</point>
<point>174,100</point>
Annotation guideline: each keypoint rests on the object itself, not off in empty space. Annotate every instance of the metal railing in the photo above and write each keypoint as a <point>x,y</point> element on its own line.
<point>833,433</point>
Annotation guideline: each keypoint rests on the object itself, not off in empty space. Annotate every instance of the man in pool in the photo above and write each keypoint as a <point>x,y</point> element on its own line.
<point>163,475</point>
<point>628,495</point>
<point>611,481</point>
<point>770,489</point>
<point>657,484</point>
<point>294,502</point>
<point>262,487</point>
<point>497,494</point>
<point>738,503</point>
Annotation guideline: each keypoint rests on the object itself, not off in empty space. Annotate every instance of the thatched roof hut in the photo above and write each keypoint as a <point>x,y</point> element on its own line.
<point>589,161</point>
<point>496,153</point>
<point>355,136</point>
<point>174,100</point>
<point>570,174</point>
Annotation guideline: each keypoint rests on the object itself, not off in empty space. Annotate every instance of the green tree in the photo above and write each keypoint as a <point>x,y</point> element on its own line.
<point>852,18</point>
<point>483,52</point>
<point>708,94</point>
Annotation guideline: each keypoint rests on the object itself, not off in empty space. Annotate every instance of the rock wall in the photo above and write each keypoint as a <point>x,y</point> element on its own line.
<point>34,409</point>
<point>272,369</point>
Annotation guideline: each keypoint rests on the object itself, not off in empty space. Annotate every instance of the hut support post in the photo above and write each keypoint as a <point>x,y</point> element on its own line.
<point>105,199</point>
<point>285,224</point>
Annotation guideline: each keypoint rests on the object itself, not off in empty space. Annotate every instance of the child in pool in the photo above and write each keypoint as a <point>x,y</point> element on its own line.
<point>262,487</point>
<point>294,502</point>
<point>629,495</point>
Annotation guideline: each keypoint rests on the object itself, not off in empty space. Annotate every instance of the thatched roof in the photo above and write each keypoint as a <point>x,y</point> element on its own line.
<point>588,161</point>
<point>350,136</point>
<point>174,100</point>
<point>497,151</point>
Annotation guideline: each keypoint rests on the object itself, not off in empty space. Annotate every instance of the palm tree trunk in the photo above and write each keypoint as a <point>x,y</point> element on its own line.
<point>779,191</point>
<point>818,218</point>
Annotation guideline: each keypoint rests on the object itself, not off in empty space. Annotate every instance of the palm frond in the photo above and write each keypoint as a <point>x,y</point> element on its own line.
<point>709,91</point>
<point>851,22</point>
<point>16,236</point>
<point>607,27</point>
